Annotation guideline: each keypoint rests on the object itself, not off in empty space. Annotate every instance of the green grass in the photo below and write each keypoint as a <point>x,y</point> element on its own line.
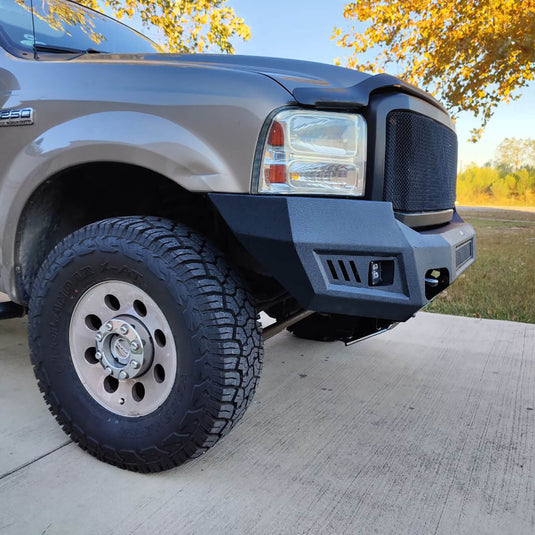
<point>501,282</point>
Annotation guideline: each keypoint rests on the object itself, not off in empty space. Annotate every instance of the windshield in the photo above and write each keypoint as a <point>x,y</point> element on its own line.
<point>62,27</point>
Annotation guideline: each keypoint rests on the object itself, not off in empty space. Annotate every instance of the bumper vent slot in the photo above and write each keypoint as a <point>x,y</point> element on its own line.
<point>464,253</point>
<point>420,163</point>
<point>342,270</point>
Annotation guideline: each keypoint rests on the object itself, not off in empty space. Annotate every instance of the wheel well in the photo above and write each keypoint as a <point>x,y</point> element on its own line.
<point>84,194</point>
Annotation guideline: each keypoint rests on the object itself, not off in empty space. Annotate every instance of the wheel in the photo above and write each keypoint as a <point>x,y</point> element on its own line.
<point>144,341</point>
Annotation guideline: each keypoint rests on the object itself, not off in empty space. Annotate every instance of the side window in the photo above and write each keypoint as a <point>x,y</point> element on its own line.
<point>16,24</point>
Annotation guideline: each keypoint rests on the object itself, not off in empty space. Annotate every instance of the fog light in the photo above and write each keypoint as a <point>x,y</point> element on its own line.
<point>381,273</point>
<point>375,273</point>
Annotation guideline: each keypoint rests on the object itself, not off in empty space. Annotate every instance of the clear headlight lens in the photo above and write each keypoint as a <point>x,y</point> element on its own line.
<point>314,152</point>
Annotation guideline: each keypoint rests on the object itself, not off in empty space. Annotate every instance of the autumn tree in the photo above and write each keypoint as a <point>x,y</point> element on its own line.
<point>489,185</point>
<point>525,183</point>
<point>472,54</point>
<point>515,153</point>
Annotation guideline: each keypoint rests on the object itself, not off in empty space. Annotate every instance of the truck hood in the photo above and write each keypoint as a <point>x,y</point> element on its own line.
<point>310,83</point>
<point>289,73</point>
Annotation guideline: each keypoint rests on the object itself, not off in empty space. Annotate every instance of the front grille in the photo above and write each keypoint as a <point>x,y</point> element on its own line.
<point>420,163</point>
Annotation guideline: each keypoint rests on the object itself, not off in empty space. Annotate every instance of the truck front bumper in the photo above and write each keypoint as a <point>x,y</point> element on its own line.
<point>324,252</point>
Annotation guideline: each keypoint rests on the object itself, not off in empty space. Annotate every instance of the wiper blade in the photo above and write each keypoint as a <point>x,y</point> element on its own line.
<point>56,49</point>
<point>65,50</point>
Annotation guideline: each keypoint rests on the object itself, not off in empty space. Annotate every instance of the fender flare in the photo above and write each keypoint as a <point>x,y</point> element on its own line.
<point>131,137</point>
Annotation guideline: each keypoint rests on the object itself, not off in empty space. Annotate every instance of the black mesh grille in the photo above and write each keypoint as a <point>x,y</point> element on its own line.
<point>421,163</point>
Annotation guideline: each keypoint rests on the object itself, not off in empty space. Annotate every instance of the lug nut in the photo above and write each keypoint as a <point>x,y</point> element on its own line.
<point>124,329</point>
<point>109,371</point>
<point>98,337</point>
<point>123,375</point>
<point>134,364</point>
<point>98,355</point>
<point>109,326</point>
<point>134,346</point>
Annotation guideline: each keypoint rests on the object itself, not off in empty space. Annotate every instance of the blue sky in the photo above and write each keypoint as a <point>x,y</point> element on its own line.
<point>302,29</point>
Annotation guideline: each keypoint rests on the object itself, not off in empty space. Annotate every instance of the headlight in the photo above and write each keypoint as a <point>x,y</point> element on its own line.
<point>314,152</point>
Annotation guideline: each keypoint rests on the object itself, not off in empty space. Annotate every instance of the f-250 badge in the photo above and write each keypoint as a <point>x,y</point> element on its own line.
<point>20,117</point>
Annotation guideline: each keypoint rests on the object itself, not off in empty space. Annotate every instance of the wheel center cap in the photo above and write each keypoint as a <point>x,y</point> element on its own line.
<point>124,347</point>
<point>120,348</point>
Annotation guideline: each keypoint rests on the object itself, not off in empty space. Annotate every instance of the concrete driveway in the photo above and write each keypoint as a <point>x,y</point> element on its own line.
<point>427,429</point>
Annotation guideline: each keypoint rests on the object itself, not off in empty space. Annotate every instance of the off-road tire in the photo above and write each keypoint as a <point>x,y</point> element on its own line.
<point>213,322</point>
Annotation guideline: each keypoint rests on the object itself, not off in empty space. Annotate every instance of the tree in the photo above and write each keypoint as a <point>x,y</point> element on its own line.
<point>524,183</point>
<point>471,54</point>
<point>513,153</point>
<point>488,185</point>
<point>476,182</point>
<point>500,189</point>
<point>186,25</point>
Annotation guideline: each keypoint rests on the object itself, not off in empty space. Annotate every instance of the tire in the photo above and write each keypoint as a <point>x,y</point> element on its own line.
<point>143,301</point>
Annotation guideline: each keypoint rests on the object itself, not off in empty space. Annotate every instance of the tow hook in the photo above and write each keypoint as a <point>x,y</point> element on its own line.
<point>435,281</point>
<point>431,282</point>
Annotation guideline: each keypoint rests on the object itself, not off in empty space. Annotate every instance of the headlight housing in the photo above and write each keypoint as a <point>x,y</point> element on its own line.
<point>314,153</point>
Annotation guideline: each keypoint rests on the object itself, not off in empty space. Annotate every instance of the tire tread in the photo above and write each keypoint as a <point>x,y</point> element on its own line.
<point>223,317</point>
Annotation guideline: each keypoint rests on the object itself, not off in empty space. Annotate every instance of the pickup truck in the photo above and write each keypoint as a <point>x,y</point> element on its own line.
<point>153,204</point>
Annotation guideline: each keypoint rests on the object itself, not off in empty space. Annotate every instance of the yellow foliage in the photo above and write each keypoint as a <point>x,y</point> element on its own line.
<point>472,54</point>
<point>491,187</point>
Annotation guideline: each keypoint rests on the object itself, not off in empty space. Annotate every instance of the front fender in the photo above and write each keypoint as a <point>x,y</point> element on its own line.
<point>130,137</point>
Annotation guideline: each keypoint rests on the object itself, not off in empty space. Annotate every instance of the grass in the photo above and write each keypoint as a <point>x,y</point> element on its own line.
<point>501,282</point>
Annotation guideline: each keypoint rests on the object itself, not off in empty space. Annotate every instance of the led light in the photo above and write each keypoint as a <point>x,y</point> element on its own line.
<point>375,273</point>
<point>314,152</point>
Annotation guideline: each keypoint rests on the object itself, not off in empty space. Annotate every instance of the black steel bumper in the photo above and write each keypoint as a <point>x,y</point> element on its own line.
<point>321,251</point>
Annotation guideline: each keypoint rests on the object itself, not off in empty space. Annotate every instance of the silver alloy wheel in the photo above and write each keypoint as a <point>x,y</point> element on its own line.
<point>122,348</point>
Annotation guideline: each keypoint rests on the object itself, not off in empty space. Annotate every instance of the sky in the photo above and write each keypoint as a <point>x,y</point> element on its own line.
<point>301,29</point>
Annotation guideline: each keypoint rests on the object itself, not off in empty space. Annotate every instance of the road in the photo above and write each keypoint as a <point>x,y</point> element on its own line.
<point>428,429</point>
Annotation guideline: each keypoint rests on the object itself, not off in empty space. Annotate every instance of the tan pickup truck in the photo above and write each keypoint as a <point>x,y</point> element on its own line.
<point>151,205</point>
